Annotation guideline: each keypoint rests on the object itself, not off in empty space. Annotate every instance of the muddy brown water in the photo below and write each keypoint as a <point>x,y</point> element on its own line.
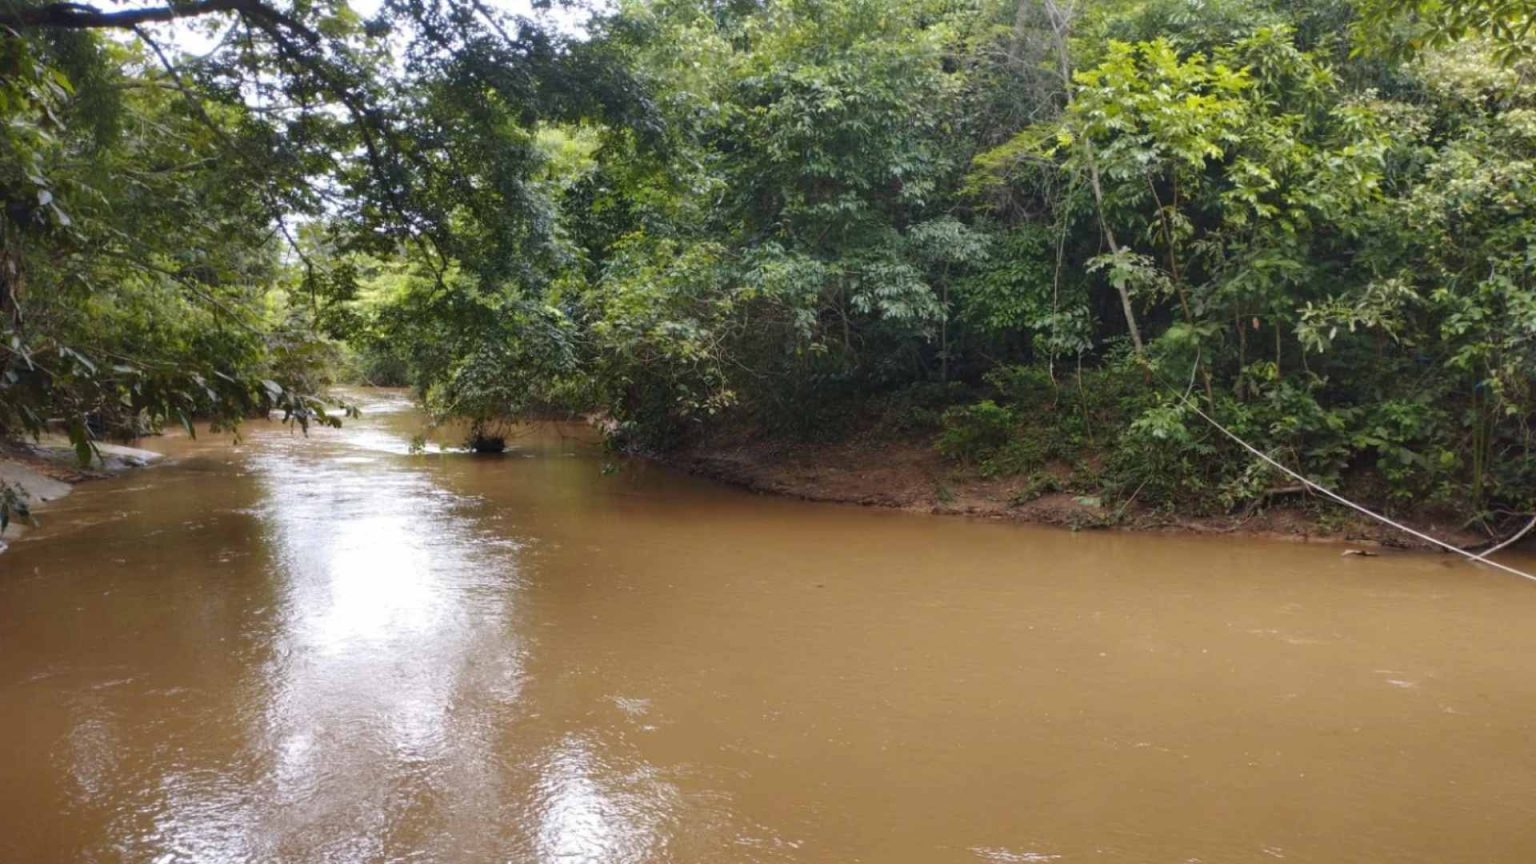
<point>331,650</point>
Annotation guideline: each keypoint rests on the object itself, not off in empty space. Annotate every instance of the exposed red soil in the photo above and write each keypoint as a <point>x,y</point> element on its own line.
<point>910,475</point>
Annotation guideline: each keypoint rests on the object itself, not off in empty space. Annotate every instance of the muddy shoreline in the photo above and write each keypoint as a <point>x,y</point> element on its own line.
<point>911,476</point>
<point>45,471</point>
<point>891,474</point>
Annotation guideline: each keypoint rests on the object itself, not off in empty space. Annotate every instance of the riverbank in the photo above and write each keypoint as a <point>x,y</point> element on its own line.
<point>911,475</point>
<point>45,471</point>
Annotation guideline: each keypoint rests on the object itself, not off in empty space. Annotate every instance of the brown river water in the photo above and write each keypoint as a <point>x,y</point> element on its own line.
<point>332,650</point>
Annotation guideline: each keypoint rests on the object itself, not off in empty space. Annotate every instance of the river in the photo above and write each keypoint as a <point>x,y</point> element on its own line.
<point>329,649</point>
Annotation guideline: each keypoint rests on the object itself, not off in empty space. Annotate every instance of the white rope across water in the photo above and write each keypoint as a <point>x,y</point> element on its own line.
<point>1329,493</point>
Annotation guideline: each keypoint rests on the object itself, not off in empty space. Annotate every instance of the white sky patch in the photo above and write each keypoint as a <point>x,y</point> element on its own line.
<point>201,35</point>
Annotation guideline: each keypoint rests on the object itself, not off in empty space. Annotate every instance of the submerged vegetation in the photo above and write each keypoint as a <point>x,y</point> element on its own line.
<point>1036,235</point>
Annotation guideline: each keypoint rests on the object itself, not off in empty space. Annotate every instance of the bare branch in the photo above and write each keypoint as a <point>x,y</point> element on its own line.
<point>78,16</point>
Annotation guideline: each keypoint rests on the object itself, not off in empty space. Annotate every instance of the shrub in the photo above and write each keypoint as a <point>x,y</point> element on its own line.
<point>972,433</point>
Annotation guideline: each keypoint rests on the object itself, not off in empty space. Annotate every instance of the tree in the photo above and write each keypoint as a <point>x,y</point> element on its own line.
<point>140,178</point>
<point>1408,27</point>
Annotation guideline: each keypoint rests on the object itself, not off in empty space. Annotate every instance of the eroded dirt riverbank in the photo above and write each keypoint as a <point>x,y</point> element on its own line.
<point>911,476</point>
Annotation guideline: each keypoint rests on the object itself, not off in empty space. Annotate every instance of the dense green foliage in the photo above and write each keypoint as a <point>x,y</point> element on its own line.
<point>1048,231</point>
<point>171,221</point>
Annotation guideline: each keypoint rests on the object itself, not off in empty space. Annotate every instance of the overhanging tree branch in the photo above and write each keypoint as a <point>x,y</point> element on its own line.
<point>78,16</point>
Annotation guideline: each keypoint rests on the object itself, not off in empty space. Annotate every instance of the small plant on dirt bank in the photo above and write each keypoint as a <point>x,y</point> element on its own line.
<point>1038,485</point>
<point>13,505</point>
<point>1040,422</point>
<point>943,494</point>
<point>973,433</point>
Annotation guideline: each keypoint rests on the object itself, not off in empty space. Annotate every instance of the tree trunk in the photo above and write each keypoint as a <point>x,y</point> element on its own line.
<point>1061,26</point>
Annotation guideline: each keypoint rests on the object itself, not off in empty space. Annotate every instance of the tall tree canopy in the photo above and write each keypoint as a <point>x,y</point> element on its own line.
<point>1038,231</point>
<point>152,265</point>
